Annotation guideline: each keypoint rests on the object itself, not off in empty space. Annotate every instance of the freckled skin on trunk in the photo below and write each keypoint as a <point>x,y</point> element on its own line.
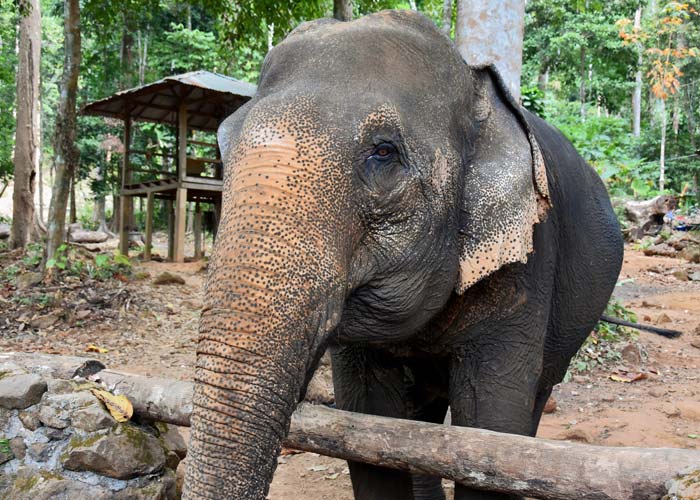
<point>275,287</point>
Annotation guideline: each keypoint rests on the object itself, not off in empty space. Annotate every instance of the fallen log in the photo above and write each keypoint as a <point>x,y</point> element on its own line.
<point>519,465</point>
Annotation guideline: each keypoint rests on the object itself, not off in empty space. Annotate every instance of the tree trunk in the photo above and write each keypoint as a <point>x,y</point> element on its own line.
<point>447,17</point>
<point>65,150</point>
<point>662,154</point>
<point>28,135</point>
<point>342,10</point>
<point>637,93</point>
<point>73,209</point>
<point>582,86</point>
<point>491,32</point>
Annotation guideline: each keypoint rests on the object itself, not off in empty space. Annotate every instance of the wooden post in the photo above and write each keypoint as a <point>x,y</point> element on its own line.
<point>171,229</point>
<point>198,251</point>
<point>125,202</point>
<point>182,141</point>
<point>181,196</point>
<point>180,215</point>
<point>149,227</point>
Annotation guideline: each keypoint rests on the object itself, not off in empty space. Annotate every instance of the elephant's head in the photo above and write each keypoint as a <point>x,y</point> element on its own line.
<point>372,175</point>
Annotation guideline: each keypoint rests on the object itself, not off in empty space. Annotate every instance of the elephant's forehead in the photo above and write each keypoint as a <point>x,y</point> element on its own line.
<point>364,58</point>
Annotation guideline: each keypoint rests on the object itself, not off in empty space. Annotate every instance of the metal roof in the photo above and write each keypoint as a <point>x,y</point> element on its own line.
<point>210,98</point>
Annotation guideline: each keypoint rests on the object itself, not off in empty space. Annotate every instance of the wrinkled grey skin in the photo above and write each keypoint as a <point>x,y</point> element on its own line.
<point>386,201</point>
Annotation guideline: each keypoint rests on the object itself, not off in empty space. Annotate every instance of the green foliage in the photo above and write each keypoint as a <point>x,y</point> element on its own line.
<point>602,347</point>
<point>33,254</point>
<point>102,267</point>
<point>533,100</point>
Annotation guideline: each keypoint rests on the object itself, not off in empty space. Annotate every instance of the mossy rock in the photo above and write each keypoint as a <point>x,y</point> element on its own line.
<point>123,453</point>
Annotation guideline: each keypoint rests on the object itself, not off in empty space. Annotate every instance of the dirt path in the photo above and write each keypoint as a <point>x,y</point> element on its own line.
<point>154,331</point>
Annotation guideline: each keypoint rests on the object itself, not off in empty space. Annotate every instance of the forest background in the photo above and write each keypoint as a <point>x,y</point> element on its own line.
<point>620,78</point>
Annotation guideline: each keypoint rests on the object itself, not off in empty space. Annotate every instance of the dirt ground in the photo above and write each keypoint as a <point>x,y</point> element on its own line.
<point>154,329</point>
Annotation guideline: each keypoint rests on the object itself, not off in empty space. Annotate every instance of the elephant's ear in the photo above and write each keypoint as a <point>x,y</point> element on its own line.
<point>505,186</point>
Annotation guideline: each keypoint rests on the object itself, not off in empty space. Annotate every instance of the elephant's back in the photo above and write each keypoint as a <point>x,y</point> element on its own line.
<point>589,247</point>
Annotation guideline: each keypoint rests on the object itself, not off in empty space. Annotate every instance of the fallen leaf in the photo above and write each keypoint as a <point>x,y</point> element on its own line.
<point>119,406</point>
<point>94,348</point>
<point>628,377</point>
<point>693,436</point>
<point>331,476</point>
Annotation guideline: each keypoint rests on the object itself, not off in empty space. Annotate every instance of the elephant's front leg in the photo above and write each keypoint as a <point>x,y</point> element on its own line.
<point>494,386</point>
<point>367,382</point>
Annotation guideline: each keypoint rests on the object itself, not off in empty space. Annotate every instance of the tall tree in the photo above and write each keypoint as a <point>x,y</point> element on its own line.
<point>637,94</point>
<point>28,135</point>
<point>65,150</point>
<point>447,17</point>
<point>491,32</point>
<point>342,10</point>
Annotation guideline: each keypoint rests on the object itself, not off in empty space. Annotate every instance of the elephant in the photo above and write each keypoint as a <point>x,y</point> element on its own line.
<point>387,202</point>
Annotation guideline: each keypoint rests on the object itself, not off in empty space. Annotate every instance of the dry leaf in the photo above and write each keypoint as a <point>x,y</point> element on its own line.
<point>331,476</point>
<point>94,348</point>
<point>318,468</point>
<point>628,377</point>
<point>119,406</point>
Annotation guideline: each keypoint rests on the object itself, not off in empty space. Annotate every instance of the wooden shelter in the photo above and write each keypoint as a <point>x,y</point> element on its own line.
<point>199,100</point>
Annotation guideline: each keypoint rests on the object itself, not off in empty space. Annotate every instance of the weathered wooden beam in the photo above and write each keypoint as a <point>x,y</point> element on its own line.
<point>492,461</point>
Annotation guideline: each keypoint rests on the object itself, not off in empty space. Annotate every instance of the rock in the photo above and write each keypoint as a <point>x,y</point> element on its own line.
<point>657,392</point>
<point>57,409</point>
<point>82,314</point>
<point>19,449</point>
<point>694,276</point>
<point>93,418</point>
<point>21,391</point>
<point>172,439</point>
<point>32,484</point>
<point>27,280</point>
<point>630,354</point>
<point>689,410</point>
<point>662,319</point>
<point>691,253</point>
<point>550,406</point>
<point>695,343</point>
<point>40,451</point>
<point>45,321</point>
<point>5,416</point>
<point>167,278</point>
<point>30,418</point>
<point>124,453</point>
<point>681,275</point>
<point>161,488</point>
<point>4,231</point>
<point>685,486</point>
<point>662,250</point>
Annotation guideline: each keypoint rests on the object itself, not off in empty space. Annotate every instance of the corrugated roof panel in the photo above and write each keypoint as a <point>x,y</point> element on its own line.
<point>158,101</point>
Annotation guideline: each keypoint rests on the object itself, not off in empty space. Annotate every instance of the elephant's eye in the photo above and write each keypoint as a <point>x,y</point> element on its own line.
<point>383,152</point>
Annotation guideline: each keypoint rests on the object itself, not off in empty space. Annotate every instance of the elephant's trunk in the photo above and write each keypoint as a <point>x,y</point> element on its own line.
<point>275,289</point>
